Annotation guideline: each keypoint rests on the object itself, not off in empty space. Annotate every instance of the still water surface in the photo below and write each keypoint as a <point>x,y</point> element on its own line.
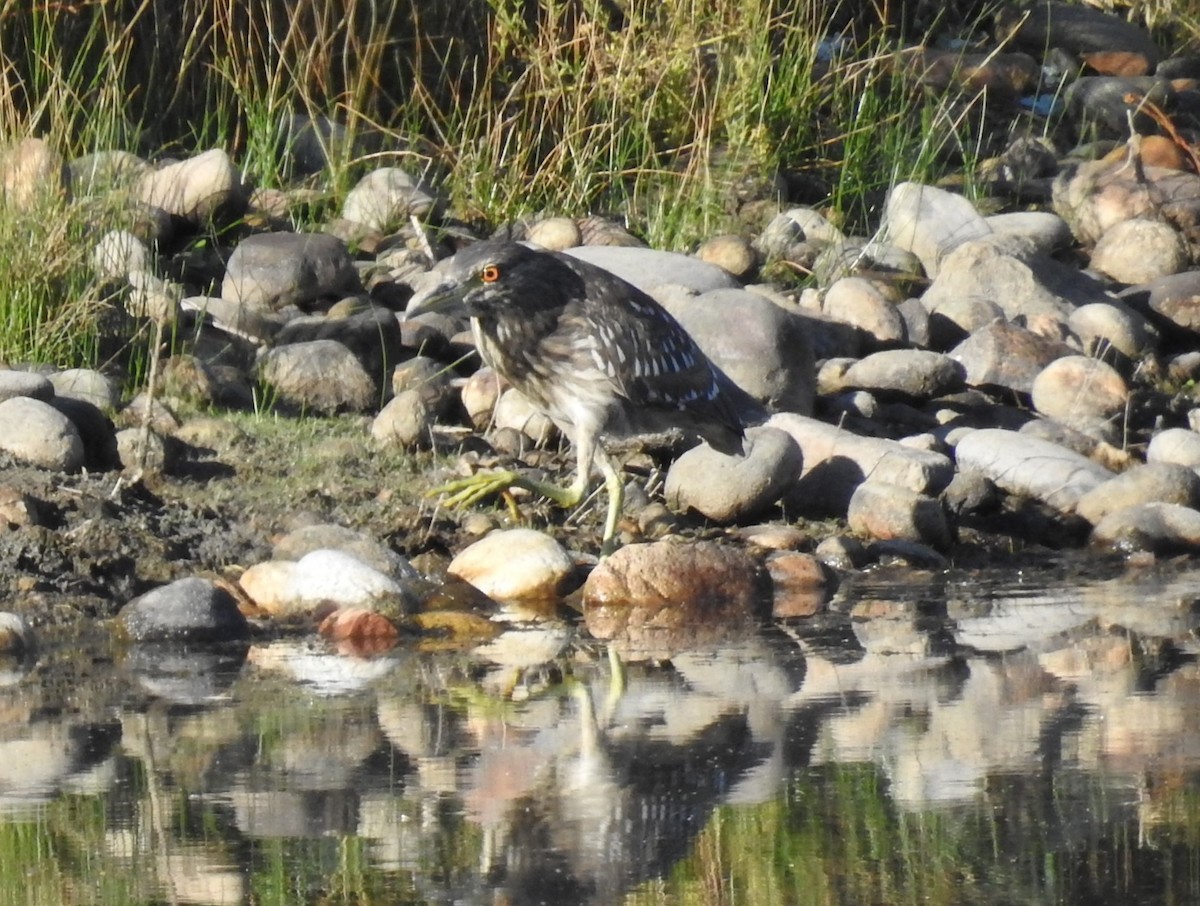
<point>984,739</point>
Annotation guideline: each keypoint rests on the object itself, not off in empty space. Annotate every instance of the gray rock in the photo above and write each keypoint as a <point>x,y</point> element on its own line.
<point>1044,230</point>
<point>96,431</point>
<point>407,421</point>
<point>1081,30</point>
<point>911,374</point>
<point>1140,251</point>
<point>868,306</point>
<point>117,253</point>
<point>1004,356</point>
<point>187,610</point>
<point>36,433</point>
<point>1079,391</point>
<point>930,222</point>
<point>138,449</point>
<point>1030,467</point>
<point>428,377</point>
<point>373,336</point>
<point>1021,282</point>
<point>345,579</point>
<point>270,270</point>
<point>323,376</point>
<point>328,536</point>
<point>385,198</point>
<point>150,297</point>
<point>102,172</point>
<point>867,257</point>
<point>648,269</point>
<point>1177,445</point>
<point>1102,327</point>
<point>888,512</point>
<point>1103,104</point>
<point>768,355</point>
<point>25,383</point>
<point>195,189</point>
<point>480,396</point>
<point>235,318</point>
<point>308,143</point>
<point>1176,300</point>
<point>837,461</point>
<point>1153,482</point>
<point>958,317</point>
<point>728,489</point>
<point>88,385</point>
<point>1161,528</point>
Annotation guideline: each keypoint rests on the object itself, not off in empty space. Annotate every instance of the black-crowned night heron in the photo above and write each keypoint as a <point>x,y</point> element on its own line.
<point>594,353</point>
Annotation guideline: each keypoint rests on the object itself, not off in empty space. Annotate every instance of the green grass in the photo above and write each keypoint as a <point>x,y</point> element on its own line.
<point>663,119</point>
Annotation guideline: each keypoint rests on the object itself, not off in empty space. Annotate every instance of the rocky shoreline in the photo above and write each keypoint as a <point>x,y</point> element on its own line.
<point>960,381</point>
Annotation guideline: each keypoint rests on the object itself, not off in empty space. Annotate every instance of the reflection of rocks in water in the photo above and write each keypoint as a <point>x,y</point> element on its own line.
<point>622,808</point>
<point>40,759</point>
<point>186,676</point>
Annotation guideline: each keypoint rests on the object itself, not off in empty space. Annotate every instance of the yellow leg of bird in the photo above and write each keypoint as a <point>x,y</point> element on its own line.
<point>616,502</point>
<point>464,492</point>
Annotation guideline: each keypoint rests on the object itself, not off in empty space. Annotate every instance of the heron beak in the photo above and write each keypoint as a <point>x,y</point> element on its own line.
<point>443,297</point>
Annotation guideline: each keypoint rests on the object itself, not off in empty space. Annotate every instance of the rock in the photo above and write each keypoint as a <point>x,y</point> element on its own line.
<point>1030,467</point>
<point>1079,391</point>
<point>1139,251</point>
<point>911,374</point>
<point>1175,445</point>
<point>323,577</point>
<point>25,383</point>
<point>234,318</point>
<point>958,317</point>
<point>1007,357</point>
<point>887,512</point>
<point>730,253</point>
<point>555,233</point>
<point>1104,106</point>
<point>187,610</point>
<point>800,585</point>
<point>841,552</point>
<point>145,450</point>
<point>731,488</point>
<point>1045,231</point>
<point>1020,281</point>
<point>769,355</point>
<point>480,396</point>
<point>837,461</point>
<point>868,258</point>
<point>322,376</point>
<point>36,433</point>
<point>515,565</point>
<point>359,631</point>
<point>930,222</point>
<point>297,544</point>
<point>372,335</point>
<point>1175,300</point>
<point>867,306</point>
<point>648,269</point>
<point>385,199</point>
<point>268,271</point>
<point>87,385</point>
<point>1094,196</point>
<point>1103,328</point>
<point>1161,528</point>
<point>102,172</point>
<point>31,173</point>
<point>515,412</point>
<point>1082,30</point>
<point>1153,482</point>
<point>117,253</point>
<point>197,189</point>
<point>429,378</point>
<point>407,421</point>
<point>654,600</point>
<point>150,297</point>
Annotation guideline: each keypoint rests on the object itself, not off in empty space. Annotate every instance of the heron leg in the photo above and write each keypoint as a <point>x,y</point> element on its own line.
<point>616,501</point>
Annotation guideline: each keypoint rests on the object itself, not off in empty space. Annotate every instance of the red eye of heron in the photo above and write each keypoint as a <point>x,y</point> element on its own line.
<point>490,274</point>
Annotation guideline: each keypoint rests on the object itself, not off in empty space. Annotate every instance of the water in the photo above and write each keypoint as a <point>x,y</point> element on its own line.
<point>985,739</point>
